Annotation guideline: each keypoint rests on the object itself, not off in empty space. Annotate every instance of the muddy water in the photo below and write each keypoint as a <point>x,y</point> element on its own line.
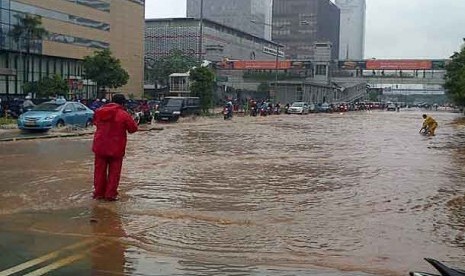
<point>356,192</point>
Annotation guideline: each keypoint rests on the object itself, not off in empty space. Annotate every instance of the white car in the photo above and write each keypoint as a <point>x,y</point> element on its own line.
<point>299,108</point>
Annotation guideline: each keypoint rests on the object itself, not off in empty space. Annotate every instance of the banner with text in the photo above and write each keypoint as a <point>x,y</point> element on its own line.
<point>399,64</point>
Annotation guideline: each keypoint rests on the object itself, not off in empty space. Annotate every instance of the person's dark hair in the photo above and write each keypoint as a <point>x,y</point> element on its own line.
<point>119,99</point>
<point>424,116</point>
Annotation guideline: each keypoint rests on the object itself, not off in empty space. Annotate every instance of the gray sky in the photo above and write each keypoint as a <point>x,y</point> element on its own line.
<point>394,28</point>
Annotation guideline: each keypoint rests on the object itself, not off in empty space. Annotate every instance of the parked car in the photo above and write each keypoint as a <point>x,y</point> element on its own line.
<point>298,108</point>
<point>56,113</point>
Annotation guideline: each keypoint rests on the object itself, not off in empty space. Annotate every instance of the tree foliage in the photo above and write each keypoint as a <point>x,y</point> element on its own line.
<point>105,70</point>
<point>158,71</point>
<point>202,83</point>
<point>28,28</point>
<point>263,87</point>
<point>26,32</point>
<point>47,86</point>
<point>455,78</point>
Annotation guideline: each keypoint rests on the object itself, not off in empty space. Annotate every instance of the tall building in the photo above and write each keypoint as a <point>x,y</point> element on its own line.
<point>76,28</point>
<point>250,16</point>
<point>219,42</point>
<point>298,24</point>
<point>352,37</point>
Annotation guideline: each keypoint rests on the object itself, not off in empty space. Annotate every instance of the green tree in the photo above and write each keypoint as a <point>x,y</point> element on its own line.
<point>26,32</point>
<point>455,78</point>
<point>47,86</point>
<point>158,71</point>
<point>105,70</point>
<point>202,83</point>
<point>263,87</point>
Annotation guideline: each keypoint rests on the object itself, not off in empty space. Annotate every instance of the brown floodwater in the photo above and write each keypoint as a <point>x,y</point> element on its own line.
<point>335,194</point>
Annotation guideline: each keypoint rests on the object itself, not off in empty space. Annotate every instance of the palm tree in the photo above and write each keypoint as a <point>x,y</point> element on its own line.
<point>29,29</point>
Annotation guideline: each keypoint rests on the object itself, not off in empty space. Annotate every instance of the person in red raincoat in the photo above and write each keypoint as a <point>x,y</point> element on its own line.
<point>113,123</point>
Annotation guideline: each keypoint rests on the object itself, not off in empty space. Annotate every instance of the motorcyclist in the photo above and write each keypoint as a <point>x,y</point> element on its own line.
<point>28,104</point>
<point>96,104</point>
<point>429,125</point>
<point>277,108</point>
<point>229,107</point>
<point>145,109</point>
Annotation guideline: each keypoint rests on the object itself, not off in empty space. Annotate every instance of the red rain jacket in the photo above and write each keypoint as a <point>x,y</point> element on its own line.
<point>112,123</point>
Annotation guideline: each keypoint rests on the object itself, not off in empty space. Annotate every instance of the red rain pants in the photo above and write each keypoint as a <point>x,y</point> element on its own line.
<point>106,177</point>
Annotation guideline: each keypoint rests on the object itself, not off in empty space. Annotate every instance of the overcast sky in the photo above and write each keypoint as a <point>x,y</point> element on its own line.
<point>394,28</point>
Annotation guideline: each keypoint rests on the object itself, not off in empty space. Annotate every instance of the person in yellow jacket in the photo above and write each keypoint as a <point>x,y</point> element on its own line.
<point>429,125</point>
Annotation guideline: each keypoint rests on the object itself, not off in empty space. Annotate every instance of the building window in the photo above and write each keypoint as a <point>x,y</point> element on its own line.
<point>320,70</point>
<point>78,41</point>
<point>95,4</point>
<point>20,8</point>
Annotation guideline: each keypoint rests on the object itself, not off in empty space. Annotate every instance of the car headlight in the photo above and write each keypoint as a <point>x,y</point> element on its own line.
<point>21,117</point>
<point>157,112</point>
<point>50,117</point>
<point>176,112</point>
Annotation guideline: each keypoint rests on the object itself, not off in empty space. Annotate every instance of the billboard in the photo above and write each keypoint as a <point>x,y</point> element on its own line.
<point>400,64</point>
<point>352,64</point>
<point>261,65</point>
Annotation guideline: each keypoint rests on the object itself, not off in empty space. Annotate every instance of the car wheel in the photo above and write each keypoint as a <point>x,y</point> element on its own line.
<point>89,123</point>
<point>60,123</point>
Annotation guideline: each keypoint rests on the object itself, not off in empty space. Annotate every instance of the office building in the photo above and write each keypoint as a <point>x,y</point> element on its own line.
<point>76,28</point>
<point>219,42</point>
<point>298,24</point>
<point>249,16</point>
<point>352,37</point>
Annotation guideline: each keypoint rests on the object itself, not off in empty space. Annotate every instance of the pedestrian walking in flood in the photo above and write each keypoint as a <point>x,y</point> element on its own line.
<point>113,123</point>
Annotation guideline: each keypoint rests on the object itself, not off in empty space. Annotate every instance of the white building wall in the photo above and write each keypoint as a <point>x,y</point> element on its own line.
<point>352,31</point>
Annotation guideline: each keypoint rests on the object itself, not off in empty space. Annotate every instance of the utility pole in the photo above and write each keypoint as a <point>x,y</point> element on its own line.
<point>201,31</point>
<point>276,70</point>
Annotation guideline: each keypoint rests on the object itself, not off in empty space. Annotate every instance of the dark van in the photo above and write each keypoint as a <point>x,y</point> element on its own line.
<point>174,107</point>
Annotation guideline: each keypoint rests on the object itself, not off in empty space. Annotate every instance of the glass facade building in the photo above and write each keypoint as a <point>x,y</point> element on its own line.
<point>76,28</point>
<point>353,17</point>
<point>298,24</point>
<point>250,16</point>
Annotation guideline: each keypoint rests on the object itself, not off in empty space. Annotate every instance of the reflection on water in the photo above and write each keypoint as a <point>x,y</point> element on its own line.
<point>109,258</point>
<point>356,192</point>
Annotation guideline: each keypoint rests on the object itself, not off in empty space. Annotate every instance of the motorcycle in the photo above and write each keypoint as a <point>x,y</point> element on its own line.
<point>264,111</point>
<point>424,131</point>
<point>441,268</point>
<point>227,113</point>
<point>253,111</point>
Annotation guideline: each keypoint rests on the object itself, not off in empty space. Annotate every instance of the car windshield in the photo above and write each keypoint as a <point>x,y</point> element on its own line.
<point>52,107</point>
<point>173,102</point>
<point>298,104</point>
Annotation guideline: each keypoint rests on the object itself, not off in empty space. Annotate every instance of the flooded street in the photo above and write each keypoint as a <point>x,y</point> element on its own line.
<point>323,194</point>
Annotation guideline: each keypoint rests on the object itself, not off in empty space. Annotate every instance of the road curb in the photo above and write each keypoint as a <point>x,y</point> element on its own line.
<point>65,135</point>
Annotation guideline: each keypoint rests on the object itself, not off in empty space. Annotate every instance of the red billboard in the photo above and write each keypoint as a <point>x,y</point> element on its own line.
<point>261,65</point>
<point>399,64</point>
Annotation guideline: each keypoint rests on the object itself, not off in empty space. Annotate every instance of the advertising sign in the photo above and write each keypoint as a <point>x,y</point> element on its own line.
<point>352,64</point>
<point>440,64</point>
<point>401,64</point>
<point>261,65</point>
